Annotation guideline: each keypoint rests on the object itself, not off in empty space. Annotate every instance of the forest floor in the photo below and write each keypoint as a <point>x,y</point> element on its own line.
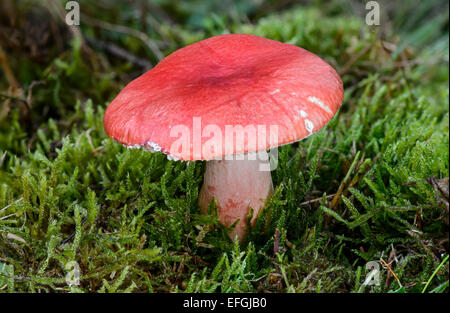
<point>371,186</point>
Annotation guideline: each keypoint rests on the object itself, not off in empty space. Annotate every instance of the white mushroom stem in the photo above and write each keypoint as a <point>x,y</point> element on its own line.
<point>236,185</point>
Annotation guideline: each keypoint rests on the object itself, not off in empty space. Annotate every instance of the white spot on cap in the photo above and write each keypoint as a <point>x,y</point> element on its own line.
<point>274,92</point>
<point>303,113</point>
<point>319,103</point>
<point>309,126</point>
<point>153,147</point>
<point>172,158</point>
<point>136,146</point>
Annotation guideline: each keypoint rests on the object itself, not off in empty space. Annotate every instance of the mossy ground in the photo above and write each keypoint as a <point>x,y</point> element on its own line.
<point>370,186</point>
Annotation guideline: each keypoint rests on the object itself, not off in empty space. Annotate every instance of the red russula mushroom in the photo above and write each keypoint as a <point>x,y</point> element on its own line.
<point>225,96</point>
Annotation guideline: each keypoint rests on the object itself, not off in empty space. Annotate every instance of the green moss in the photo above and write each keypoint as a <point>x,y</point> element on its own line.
<point>130,218</point>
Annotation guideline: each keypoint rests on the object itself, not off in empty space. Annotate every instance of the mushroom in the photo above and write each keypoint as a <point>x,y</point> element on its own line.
<point>226,100</point>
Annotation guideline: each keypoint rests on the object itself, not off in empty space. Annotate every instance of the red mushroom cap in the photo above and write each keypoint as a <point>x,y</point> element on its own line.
<point>226,80</point>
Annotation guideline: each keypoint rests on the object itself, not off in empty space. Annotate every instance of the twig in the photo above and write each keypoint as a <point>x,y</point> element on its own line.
<point>3,157</point>
<point>71,235</point>
<point>390,260</point>
<point>442,186</point>
<point>33,84</point>
<point>20,199</point>
<point>193,257</point>
<point>258,279</point>
<point>128,31</point>
<point>439,185</point>
<point>57,6</point>
<point>13,97</point>
<point>317,199</point>
<point>16,277</point>
<point>276,246</point>
<point>119,52</point>
<point>355,57</point>
<point>391,271</point>
<point>12,81</point>
<point>276,242</point>
<point>310,275</point>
